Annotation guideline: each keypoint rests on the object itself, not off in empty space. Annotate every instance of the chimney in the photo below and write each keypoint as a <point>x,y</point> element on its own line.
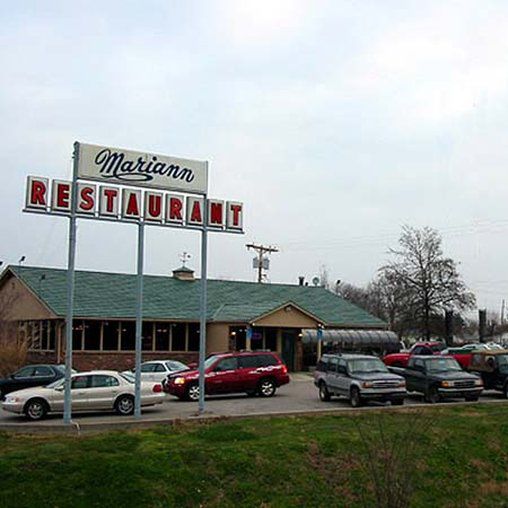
<point>183,273</point>
<point>301,280</point>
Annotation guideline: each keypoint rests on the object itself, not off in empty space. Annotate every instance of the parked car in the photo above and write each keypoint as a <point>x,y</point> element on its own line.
<point>359,378</point>
<point>439,377</point>
<point>31,375</point>
<point>463,356</point>
<point>492,366</point>
<point>90,391</point>
<point>158,370</point>
<point>255,373</point>
<point>419,348</point>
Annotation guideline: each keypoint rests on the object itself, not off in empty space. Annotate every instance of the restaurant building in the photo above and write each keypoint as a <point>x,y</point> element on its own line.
<point>240,315</point>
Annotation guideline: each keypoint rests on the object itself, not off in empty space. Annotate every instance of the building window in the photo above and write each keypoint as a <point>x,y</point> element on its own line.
<point>147,337</point>
<point>237,338</point>
<point>257,339</point>
<point>178,336</point>
<point>39,335</point>
<point>77,335</point>
<point>128,336</point>
<point>162,336</point>
<point>52,335</point>
<point>270,339</point>
<point>193,337</point>
<point>92,335</point>
<point>264,338</point>
<point>110,336</point>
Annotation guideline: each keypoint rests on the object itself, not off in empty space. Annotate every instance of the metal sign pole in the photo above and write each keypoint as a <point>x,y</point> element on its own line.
<point>70,289</point>
<point>139,319</point>
<point>203,305</point>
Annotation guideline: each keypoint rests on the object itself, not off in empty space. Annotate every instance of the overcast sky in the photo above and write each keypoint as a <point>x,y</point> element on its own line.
<point>335,122</point>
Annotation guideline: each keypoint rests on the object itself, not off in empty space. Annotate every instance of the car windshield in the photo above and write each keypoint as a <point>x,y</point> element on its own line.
<point>61,368</point>
<point>210,361</point>
<point>174,365</point>
<point>442,364</point>
<point>366,365</point>
<point>128,377</point>
<point>56,384</point>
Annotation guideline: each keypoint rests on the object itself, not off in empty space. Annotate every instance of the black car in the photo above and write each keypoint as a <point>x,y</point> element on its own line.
<point>31,375</point>
<point>492,366</point>
<point>439,377</point>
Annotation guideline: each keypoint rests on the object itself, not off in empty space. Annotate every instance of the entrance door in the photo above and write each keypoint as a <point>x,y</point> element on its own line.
<point>289,338</point>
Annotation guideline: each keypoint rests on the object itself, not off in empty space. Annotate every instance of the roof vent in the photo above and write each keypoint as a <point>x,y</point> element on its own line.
<point>183,273</point>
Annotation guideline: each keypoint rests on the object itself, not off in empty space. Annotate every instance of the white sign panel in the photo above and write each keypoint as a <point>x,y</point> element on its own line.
<point>108,203</point>
<point>126,167</point>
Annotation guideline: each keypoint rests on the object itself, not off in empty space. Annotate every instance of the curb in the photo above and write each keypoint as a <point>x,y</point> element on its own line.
<point>79,428</point>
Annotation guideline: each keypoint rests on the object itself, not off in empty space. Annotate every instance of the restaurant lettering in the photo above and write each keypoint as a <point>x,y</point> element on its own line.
<point>128,204</point>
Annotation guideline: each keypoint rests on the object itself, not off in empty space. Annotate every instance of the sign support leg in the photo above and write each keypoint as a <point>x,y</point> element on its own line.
<point>203,308</point>
<point>70,290</point>
<point>139,319</point>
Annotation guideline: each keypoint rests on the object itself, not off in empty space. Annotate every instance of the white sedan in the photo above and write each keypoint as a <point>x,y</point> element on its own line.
<point>158,370</point>
<point>90,391</point>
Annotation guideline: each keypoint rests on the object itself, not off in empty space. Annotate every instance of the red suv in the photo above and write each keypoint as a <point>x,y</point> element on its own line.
<point>253,372</point>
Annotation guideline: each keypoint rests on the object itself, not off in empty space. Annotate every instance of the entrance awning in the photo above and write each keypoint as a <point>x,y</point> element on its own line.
<point>355,339</point>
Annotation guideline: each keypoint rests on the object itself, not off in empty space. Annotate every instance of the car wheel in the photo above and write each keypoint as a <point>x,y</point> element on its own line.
<point>36,409</point>
<point>355,398</point>
<point>266,388</point>
<point>193,392</point>
<point>1,395</point>
<point>432,395</point>
<point>125,405</point>
<point>324,394</point>
<point>397,402</point>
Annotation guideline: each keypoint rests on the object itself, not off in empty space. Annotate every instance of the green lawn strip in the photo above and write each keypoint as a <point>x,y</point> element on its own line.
<point>457,456</point>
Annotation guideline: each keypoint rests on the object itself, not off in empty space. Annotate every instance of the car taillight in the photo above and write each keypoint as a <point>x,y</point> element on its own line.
<point>284,369</point>
<point>157,388</point>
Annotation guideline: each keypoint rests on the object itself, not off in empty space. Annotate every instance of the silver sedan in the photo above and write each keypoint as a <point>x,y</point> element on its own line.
<point>90,391</point>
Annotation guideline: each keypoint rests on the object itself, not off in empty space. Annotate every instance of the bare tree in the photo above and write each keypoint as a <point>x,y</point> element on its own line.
<point>13,346</point>
<point>427,282</point>
<point>390,449</point>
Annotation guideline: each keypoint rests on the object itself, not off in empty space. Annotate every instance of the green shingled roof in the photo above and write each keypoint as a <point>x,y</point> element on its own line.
<point>113,295</point>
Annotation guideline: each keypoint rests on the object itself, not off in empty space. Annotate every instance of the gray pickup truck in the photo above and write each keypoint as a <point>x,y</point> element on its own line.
<point>359,378</point>
<point>439,377</point>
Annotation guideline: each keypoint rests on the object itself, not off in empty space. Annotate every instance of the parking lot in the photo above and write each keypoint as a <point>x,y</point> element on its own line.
<point>298,396</point>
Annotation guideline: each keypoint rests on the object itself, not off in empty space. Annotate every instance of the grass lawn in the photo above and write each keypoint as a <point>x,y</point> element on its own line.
<point>451,456</point>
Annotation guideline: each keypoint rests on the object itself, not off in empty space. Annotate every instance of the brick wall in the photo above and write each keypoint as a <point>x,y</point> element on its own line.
<point>86,360</point>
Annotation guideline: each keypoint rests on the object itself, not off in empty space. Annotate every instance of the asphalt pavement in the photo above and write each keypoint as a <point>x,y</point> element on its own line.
<point>299,396</point>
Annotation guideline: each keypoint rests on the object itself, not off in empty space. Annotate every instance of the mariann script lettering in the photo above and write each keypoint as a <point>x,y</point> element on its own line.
<point>115,165</point>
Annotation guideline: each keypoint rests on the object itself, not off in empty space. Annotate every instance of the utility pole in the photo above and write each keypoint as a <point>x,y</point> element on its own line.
<point>261,250</point>
<point>502,313</point>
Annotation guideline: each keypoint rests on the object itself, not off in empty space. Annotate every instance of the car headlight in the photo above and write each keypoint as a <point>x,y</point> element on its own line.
<point>478,382</point>
<point>402,384</point>
<point>179,381</point>
<point>367,384</point>
<point>12,400</point>
<point>446,384</point>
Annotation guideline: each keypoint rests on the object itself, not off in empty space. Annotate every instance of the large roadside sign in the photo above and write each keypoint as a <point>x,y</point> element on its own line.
<point>141,188</point>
